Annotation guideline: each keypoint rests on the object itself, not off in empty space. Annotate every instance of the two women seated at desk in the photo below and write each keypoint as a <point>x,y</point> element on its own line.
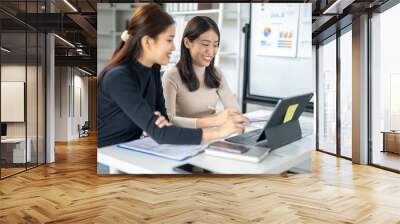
<point>130,93</point>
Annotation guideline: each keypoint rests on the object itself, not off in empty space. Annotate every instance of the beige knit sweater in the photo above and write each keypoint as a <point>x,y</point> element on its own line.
<point>184,107</point>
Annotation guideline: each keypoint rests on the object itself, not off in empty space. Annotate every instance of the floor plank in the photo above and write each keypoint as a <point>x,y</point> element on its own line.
<point>70,191</point>
<point>387,159</point>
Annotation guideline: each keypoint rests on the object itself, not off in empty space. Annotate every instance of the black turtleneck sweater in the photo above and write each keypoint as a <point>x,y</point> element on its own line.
<point>127,97</point>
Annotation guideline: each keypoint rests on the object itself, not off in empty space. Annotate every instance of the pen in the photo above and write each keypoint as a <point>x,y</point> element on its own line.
<point>254,121</point>
<point>213,109</point>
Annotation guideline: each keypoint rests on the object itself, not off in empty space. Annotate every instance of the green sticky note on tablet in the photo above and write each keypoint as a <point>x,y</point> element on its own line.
<point>290,112</point>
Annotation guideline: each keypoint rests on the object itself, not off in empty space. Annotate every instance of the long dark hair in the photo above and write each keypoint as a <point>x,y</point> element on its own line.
<point>195,27</point>
<point>148,20</point>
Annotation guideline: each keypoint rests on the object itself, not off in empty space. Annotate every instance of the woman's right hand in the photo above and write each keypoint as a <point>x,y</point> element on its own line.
<point>223,116</point>
<point>235,124</point>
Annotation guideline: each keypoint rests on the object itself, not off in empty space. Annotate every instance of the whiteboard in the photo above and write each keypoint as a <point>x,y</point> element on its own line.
<point>281,72</point>
<point>12,101</point>
<point>274,28</point>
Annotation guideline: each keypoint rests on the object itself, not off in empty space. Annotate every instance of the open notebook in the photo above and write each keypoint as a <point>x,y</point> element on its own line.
<point>174,152</point>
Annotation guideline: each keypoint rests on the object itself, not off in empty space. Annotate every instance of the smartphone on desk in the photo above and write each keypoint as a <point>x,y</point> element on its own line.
<point>188,168</point>
<point>229,147</point>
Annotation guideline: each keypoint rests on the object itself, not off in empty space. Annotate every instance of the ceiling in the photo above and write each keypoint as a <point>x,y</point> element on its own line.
<point>76,20</point>
<point>76,24</point>
<point>330,15</point>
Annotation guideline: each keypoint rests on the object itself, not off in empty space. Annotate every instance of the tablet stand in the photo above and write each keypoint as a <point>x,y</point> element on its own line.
<point>280,135</point>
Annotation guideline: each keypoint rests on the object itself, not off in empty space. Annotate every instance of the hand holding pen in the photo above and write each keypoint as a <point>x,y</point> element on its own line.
<point>234,123</point>
<point>255,120</point>
<point>230,114</point>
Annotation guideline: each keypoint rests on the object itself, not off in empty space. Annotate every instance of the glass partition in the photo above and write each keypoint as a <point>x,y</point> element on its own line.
<point>346,94</point>
<point>385,89</point>
<point>327,96</point>
<point>22,89</point>
<point>14,153</point>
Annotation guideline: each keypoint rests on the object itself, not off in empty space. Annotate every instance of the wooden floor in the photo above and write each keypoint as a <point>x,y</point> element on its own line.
<point>10,171</point>
<point>387,159</point>
<point>70,191</point>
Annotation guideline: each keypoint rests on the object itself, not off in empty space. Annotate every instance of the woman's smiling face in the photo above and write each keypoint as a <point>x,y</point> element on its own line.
<point>162,47</point>
<point>204,48</point>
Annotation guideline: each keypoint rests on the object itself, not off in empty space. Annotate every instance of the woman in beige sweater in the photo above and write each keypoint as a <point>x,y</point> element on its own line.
<point>193,87</point>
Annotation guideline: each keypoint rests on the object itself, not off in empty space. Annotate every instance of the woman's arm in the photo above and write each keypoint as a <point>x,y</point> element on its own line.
<point>218,119</point>
<point>170,91</point>
<point>125,92</point>
<point>230,104</point>
<point>160,105</point>
<point>210,134</point>
<point>170,84</point>
<point>236,124</point>
<point>205,122</point>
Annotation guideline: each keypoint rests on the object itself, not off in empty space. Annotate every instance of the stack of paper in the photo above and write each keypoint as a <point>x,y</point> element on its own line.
<point>255,154</point>
<point>174,152</point>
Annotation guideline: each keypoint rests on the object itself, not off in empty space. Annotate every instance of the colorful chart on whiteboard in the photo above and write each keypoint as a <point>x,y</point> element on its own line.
<point>276,29</point>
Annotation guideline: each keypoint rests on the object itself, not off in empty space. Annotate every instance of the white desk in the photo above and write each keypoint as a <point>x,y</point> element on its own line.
<point>295,157</point>
<point>19,149</point>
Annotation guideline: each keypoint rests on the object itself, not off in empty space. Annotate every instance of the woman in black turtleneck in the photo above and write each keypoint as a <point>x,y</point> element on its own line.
<point>130,90</point>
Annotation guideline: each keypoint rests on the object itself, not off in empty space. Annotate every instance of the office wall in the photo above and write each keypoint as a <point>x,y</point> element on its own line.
<point>80,104</point>
<point>17,73</point>
<point>61,103</point>
<point>71,102</point>
<point>12,98</point>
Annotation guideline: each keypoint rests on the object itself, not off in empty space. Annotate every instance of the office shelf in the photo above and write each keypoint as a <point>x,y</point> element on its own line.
<point>227,54</point>
<point>198,12</point>
<point>112,19</point>
<point>229,19</point>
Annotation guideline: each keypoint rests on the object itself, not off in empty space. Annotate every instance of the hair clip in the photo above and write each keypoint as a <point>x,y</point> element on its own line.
<point>125,36</point>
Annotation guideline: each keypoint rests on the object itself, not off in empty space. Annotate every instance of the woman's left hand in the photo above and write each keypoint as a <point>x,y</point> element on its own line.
<point>161,120</point>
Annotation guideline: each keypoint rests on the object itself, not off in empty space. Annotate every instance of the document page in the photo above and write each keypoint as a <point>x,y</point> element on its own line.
<point>176,152</point>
